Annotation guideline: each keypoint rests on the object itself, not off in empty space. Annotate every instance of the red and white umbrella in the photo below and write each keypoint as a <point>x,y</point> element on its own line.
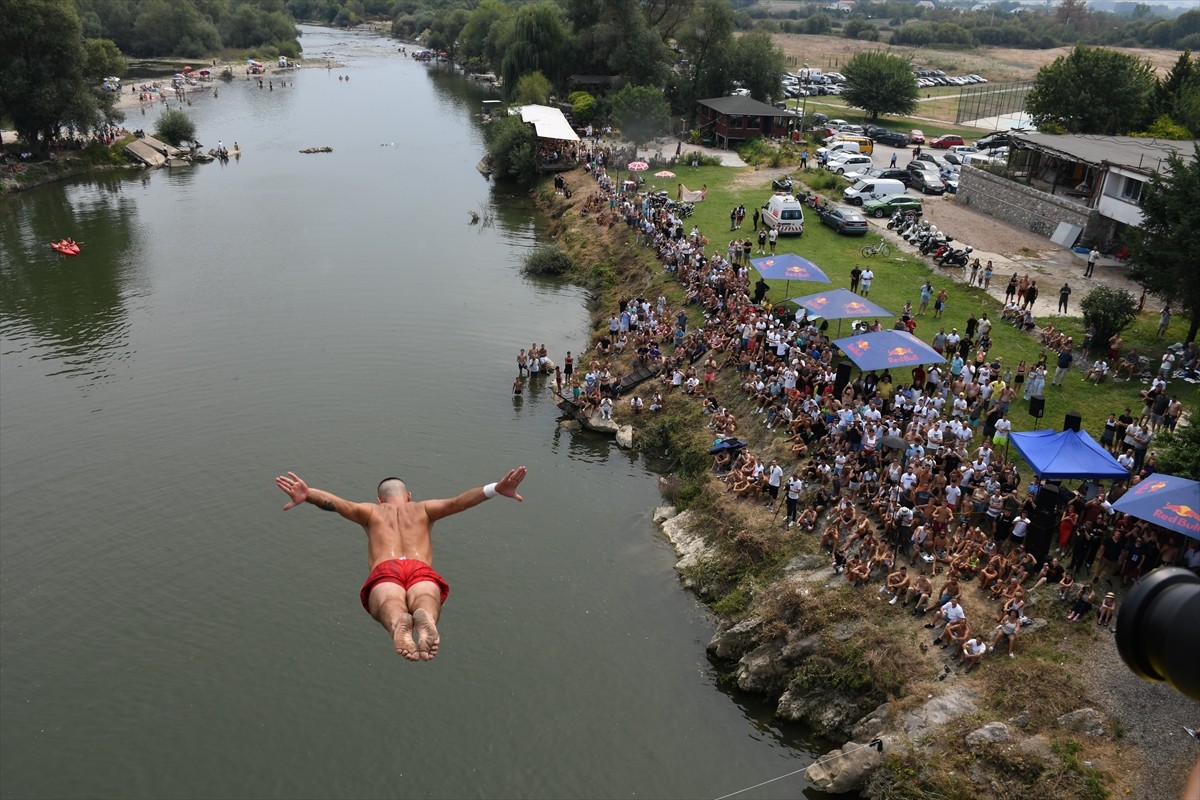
<point>666,173</point>
<point>638,166</point>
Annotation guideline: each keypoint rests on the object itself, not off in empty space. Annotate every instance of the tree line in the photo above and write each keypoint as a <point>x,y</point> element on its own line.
<point>189,28</point>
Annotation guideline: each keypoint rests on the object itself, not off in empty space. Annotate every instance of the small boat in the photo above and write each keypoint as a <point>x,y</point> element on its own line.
<point>67,247</point>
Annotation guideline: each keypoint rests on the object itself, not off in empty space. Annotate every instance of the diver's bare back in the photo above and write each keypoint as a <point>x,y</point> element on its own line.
<point>399,532</point>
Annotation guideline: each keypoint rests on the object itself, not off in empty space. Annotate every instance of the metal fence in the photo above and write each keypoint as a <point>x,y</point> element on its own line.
<point>991,100</point>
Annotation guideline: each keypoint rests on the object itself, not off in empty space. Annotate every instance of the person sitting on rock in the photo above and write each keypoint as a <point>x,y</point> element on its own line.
<point>952,610</point>
<point>919,592</point>
<point>1083,604</point>
<point>859,572</point>
<point>1008,630</point>
<point>972,652</point>
<point>897,583</point>
<point>808,520</point>
<point>954,635</point>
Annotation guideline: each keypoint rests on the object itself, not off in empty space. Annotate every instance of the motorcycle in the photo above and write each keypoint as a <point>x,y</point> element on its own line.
<point>783,184</point>
<point>958,257</point>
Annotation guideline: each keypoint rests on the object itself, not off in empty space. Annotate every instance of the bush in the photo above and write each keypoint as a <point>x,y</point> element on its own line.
<point>548,260</point>
<point>174,127</point>
<point>510,146</point>
<point>696,158</point>
<point>1110,310</point>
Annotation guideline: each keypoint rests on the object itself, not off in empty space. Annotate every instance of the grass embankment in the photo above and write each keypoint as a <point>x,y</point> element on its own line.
<point>66,164</point>
<point>882,658</point>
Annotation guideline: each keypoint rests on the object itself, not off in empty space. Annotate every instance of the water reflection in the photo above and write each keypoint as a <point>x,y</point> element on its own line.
<point>70,311</point>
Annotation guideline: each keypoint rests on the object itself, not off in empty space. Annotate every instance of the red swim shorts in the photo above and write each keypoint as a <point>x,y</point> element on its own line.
<point>406,572</point>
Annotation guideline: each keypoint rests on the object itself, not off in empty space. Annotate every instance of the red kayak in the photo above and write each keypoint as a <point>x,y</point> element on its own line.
<point>67,247</point>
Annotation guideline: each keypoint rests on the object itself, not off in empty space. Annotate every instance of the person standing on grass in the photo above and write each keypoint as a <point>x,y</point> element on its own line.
<point>1164,322</point>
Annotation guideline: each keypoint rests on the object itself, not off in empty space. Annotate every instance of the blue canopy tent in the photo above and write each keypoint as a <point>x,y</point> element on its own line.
<point>840,304</point>
<point>888,349</point>
<point>1167,501</point>
<point>791,267</point>
<point>1058,456</point>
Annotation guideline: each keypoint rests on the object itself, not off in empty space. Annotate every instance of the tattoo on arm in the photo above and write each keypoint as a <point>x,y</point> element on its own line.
<point>326,504</point>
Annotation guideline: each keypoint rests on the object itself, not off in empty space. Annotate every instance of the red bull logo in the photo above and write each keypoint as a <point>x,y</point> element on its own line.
<point>855,307</point>
<point>1147,487</point>
<point>1181,515</point>
<point>901,355</point>
<point>796,272</point>
<point>819,302</point>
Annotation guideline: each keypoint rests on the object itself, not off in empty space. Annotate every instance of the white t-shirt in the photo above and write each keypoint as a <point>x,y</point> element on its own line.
<point>952,612</point>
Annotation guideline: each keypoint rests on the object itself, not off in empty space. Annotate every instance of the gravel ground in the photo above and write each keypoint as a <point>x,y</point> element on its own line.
<point>1153,716</point>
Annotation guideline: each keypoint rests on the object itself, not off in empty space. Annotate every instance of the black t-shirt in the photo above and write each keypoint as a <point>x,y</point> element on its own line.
<point>1054,572</point>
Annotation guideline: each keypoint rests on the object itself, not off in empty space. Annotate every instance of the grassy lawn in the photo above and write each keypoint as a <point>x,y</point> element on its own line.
<point>898,279</point>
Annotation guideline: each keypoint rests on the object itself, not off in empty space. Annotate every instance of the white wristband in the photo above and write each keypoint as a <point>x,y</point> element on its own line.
<point>489,491</point>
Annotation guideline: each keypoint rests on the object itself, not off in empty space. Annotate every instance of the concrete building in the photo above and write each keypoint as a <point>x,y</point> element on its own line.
<point>1094,183</point>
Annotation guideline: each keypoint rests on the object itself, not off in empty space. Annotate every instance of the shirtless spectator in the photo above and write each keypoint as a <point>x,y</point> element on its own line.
<point>859,572</point>
<point>897,584</point>
<point>402,591</point>
<point>919,593</point>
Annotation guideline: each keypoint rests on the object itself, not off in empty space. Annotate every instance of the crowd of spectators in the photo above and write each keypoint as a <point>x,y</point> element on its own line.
<point>903,475</point>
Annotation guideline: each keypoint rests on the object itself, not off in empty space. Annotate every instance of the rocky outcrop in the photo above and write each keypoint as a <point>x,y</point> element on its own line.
<point>833,714</point>
<point>846,768</point>
<point>690,545</point>
<point>1087,721</point>
<point>625,437</point>
<point>732,640</point>
<point>762,670</point>
<point>599,425</point>
<point>992,733</point>
<point>664,513</point>
<point>958,701</point>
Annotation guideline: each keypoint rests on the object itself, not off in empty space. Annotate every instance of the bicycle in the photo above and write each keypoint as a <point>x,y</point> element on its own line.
<point>881,248</point>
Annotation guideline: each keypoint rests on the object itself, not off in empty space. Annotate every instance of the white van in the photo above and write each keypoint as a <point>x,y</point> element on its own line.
<point>839,146</point>
<point>784,213</point>
<point>872,189</point>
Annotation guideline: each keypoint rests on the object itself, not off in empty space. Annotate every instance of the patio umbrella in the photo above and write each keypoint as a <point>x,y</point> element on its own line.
<point>1167,501</point>
<point>791,267</point>
<point>840,304</point>
<point>888,349</point>
<point>666,173</point>
<point>638,166</point>
<point>893,443</point>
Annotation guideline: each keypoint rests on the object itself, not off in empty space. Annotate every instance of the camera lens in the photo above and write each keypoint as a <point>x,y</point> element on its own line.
<point>1158,629</point>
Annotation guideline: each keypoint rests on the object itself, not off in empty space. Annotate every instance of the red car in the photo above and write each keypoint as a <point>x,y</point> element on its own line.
<point>916,137</point>
<point>946,142</point>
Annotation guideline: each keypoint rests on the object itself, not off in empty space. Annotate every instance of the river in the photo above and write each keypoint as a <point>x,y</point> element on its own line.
<point>166,631</point>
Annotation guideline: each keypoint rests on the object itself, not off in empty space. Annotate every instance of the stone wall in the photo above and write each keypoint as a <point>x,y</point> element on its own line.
<point>1023,206</point>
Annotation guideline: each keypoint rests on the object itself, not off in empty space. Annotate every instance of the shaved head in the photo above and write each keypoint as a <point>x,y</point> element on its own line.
<point>391,487</point>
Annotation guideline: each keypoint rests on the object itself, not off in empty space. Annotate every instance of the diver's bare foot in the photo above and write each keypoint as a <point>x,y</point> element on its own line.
<point>402,638</point>
<point>427,633</point>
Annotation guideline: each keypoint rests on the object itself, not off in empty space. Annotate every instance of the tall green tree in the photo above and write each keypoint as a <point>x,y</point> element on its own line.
<point>1093,90</point>
<point>879,82</point>
<point>539,45</point>
<point>479,36</point>
<point>1178,452</point>
<point>707,41</point>
<point>758,63</point>
<point>1164,250</point>
<point>641,112</point>
<point>42,68</point>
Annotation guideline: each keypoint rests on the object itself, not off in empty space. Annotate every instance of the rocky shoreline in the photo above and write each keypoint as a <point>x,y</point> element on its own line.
<point>839,661</point>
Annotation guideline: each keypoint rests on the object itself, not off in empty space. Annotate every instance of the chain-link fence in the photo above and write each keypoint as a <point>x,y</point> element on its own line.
<point>984,101</point>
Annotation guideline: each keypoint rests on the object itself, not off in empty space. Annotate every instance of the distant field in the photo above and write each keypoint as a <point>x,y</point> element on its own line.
<point>997,64</point>
<point>993,63</point>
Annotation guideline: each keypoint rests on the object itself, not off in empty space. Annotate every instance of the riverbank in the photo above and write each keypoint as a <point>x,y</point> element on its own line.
<point>843,659</point>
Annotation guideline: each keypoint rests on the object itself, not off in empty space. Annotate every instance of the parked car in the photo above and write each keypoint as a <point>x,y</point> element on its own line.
<point>932,161</point>
<point>947,141</point>
<point>843,219</point>
<point>916,136</point>
<point>886,205</point>
<point>889,173</point>
<point>927,182</point>
<point>850,163</point>
<point>891,138</point>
